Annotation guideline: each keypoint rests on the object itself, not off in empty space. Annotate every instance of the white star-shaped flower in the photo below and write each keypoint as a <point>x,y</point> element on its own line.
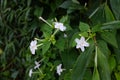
<point>59,69</point>
<point>60,26</point>
<point>33,46</point>
<point>37,65</point>
<point>30,73</point>
<point>81,43</point>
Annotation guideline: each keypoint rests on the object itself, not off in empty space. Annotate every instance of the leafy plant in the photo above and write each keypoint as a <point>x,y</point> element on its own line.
<point>72,40</point>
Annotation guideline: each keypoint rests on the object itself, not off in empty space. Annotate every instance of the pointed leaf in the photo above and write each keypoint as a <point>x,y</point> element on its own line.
<point>103,66</point>
<point>96,74</point>
<point>68,58</point>
<point>115,5</point>
<point>46,46</point>
<point>83,26</point>
<point>111,25</point>
<point>66,4</point>
<point>72,40</point>
<point>38,11</point>
<point>103,47</point>
<point>110,37</point>
<point>98,16</point>
<point>117,75</point>
<point>82,63</point>
<point>108,13</point>
<point>60,44</point>
<point>112,63</point>
<point>76,1</point>
<point>47,30</point>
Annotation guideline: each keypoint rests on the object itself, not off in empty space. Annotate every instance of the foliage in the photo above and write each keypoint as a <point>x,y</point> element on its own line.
<point>96,20</point>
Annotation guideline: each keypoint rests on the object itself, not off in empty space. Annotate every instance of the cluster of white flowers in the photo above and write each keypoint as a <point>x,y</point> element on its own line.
<point>37,65</point>
<point>33,47</point>
<point>60,26</point>
<point>33,44</point>
<point>81,43</point>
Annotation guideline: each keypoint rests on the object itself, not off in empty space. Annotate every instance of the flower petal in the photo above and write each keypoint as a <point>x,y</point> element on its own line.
<point>82,39</point>
<point>33,46</point>
<point>77,40</point>
<point>82,48</point>
<point>60,26</point>
<point>37,65</point>
<point>30,72</point>
<point>86,44</point>
<point>59,69</point>
<point>81,43</point>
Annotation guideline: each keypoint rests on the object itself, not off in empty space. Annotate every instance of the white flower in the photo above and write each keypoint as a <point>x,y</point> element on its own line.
<point>60,26</point>
<point>59,69</point>
<point>81,43</point>
<point>33,46</point>
<point>37,65</point>
<point>65,35</point>
<point>30,73</point>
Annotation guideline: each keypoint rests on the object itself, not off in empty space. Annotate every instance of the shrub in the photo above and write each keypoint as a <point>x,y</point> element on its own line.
<point>59,40</point>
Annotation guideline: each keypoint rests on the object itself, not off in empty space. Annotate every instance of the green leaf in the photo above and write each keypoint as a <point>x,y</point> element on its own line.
<point>46,46</point>
<point>67,76</point>
<point>1,51</point>
<point>60,44</point>
<point>115,5</point>
<point>88,75</point>
<point>72,40</point>
<point>112,63</point>
<point>14,74</point>
<point>69,57</point>
<point>96,28</point>
<point>117,75</point>
<point>82,63</point>
<point>103,66</point>
<point>96,74</point>
<point>64,19</point>
<point>102,14</point>
<point>85,34</point>
<point>103,47</point>
<point>83,26</point>
<point>108,13</point>
<point>111,25</point>
<point>117,55</point>
<point>110,37</point>
<point>4,4</point>
<point>98,15</point>
<point>47,30</point>
<point>76,1</point>
<point>66,4</point>
<point>38,11</point>
<point>28,3</point>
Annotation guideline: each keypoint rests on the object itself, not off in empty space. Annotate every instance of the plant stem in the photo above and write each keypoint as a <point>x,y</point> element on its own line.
<point>45,21</point>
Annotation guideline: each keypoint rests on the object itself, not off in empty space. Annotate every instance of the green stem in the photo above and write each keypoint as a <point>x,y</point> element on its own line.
<point>41,40</point>
<point>45,21</point>
<point>35,72</point>
<point>39,44</point>
<point>55,32</point>
<point>40,71</point>
<point>87,38</point>
<point>41,60</point>
<point>95,57</point>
